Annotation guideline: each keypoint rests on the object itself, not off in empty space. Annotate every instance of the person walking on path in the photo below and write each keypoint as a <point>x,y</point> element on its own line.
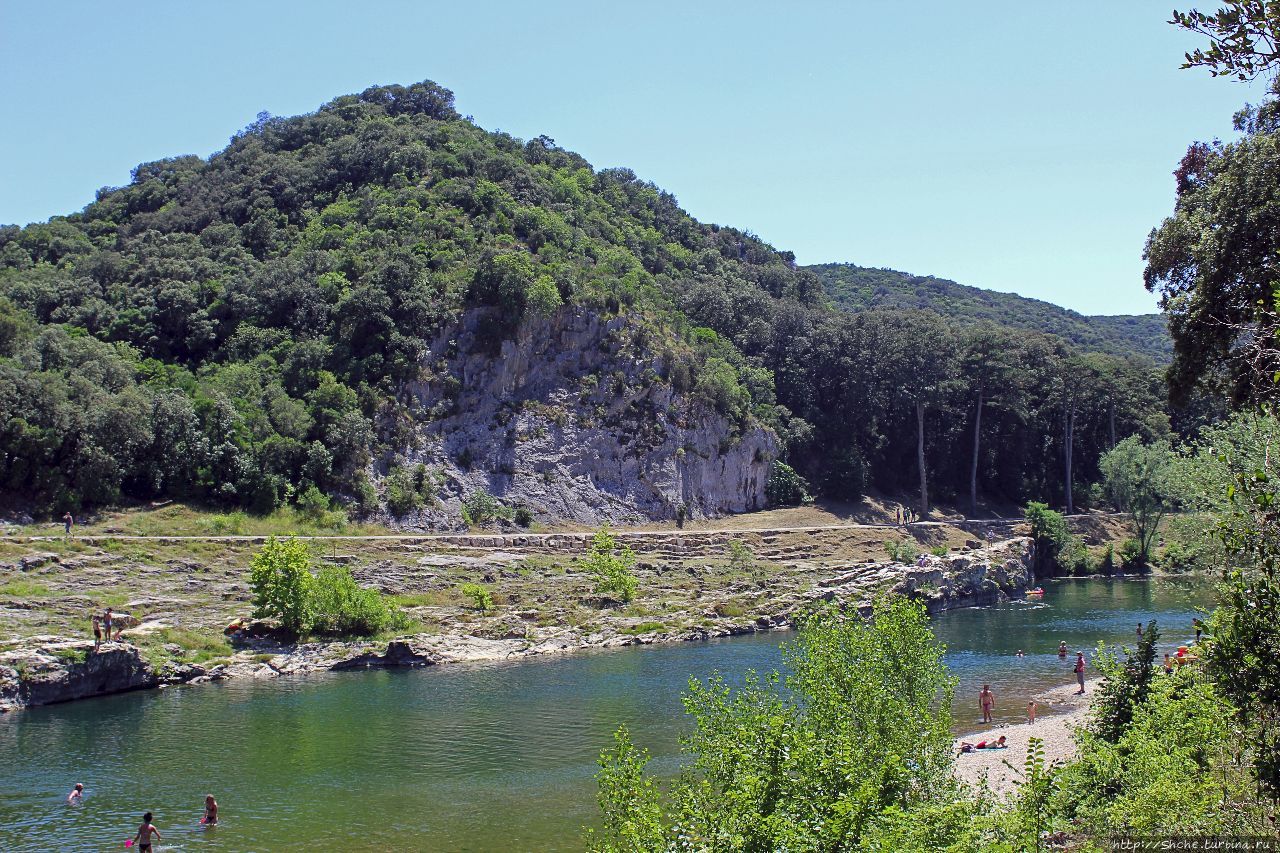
<point>1079,669</point>
<point>143,836</point>
<point>67,521</point>
<point>987,701</point>
<point>97,632</point>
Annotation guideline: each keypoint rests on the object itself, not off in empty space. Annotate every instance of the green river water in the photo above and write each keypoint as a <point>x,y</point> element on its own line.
<point>495,757</point>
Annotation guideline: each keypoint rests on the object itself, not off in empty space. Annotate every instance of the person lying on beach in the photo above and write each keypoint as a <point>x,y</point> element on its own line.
<point>998,743</point>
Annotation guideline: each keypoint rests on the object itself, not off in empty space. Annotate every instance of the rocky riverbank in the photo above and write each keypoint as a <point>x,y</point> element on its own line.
<point>545,607</point>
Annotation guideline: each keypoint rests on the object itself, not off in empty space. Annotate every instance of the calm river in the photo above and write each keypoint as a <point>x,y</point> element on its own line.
<point>496,757</point>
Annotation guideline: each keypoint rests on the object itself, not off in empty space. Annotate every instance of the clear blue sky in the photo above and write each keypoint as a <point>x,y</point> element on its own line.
<point>1020,146</point>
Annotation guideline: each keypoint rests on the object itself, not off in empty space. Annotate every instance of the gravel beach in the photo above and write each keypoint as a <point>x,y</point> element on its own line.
<point>1059,711</point>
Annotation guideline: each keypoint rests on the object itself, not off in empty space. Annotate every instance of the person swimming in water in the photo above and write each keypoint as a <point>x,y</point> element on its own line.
<point>1062,649</point>
<point>77,793</point>
<point>210,811</point>
<point>143,836</point>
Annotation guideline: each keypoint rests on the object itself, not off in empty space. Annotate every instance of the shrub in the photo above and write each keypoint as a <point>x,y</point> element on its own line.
<point>741,557</point>
<point>479,595</point>
<point>902,550</point>
<point>280,577</point>
<point>523,516</point>
<point>341,606</point>
<point>785,487</point>
<point>329,602</point>
<point>480,508</point>
<point>313,504</point>
<point>543,297</point>
<point>402,496</point>
<point>1131,554</point>
<point>1056,550</point>
<point>611,567</point>
<point>939,550</point>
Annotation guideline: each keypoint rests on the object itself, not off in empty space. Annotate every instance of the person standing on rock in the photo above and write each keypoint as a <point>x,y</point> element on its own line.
<point>67,521</point>
<point>1079,668</point>
<point>97,632</point>
<point>986,701</point>
<point>106,618</point>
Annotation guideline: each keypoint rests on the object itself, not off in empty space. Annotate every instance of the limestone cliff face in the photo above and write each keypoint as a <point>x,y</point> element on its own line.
<point>573,420</point>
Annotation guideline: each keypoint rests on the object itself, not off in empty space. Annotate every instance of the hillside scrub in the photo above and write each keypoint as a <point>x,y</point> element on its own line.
<point>239,330</point>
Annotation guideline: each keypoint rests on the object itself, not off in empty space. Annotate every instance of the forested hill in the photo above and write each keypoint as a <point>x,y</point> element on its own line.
<point>383,304</point>
<point>857,288</point>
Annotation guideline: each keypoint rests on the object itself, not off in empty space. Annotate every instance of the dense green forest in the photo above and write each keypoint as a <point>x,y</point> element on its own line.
<point>856,288</point>
<point>239,330</point>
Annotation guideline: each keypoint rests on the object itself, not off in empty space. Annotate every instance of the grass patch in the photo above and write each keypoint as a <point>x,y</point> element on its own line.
<point>71,656</point>
<point>430,598</point>
<point>262,658</point>
<point>730,609</point>
<point>644,628</point>
<point>22,588</point>
<point>198,646</point>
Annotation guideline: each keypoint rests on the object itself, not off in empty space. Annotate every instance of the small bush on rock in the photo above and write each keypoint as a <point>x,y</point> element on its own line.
<point>611,567</point>
<point>479,595</point>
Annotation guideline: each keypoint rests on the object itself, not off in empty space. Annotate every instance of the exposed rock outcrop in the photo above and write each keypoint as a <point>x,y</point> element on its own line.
<point>968,579</point>
<point>60,671</point>
<point>574,419</point>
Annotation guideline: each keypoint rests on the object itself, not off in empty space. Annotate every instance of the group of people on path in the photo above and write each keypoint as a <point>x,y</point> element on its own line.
<point>147,830</point>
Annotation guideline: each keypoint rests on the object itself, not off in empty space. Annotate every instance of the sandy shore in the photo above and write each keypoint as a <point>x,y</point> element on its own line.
<point>1059,711</point>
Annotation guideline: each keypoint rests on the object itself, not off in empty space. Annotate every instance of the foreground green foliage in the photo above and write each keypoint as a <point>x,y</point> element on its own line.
<point>859,737</point>
<point>327,602</point>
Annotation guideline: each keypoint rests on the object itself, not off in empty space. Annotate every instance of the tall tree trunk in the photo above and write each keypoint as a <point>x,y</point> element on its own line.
<point>973,471</point>
<point>924,483</point>
<point>1069,431</point>
<point>1111,417</point>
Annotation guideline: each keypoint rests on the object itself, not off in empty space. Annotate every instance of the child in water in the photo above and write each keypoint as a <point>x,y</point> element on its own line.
<point>144,833</point>
<point>210,811</point>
